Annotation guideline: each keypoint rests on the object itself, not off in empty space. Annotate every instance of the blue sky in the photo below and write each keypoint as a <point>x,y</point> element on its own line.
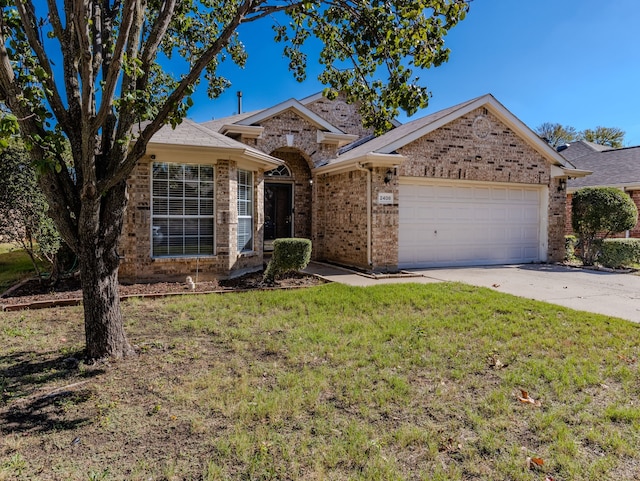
<point>576,62</point>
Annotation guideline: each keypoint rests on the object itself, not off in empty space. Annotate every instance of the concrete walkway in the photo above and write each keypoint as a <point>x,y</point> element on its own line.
<point>611,294</point>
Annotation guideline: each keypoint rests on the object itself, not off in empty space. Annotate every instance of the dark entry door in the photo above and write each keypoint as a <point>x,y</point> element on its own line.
<point>277,212</point>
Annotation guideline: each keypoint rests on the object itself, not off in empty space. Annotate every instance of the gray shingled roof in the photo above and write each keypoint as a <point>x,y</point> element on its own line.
<point>580,148</point>
<point>612,167</point>
<point>189,133</point>
<point>216,124</point>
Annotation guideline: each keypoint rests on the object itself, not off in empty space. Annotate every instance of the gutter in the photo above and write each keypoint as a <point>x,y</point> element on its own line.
<point>360,167</point>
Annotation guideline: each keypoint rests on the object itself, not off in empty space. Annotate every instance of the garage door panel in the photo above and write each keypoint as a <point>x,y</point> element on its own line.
<point>449,224</point>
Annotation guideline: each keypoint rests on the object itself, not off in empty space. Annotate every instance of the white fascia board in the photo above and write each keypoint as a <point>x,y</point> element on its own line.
<point>248,131</point>
<point>300,109</point>
<point>368,160</point>
<point>558,171</point>
<point>335,139</point>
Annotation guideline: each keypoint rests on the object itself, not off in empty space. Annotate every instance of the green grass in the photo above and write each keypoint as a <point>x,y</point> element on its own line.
<point>395,382</point>
<point>15,265</point>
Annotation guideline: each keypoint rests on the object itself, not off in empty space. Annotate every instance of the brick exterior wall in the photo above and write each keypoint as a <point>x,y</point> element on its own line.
<point>305,137</point>
<point>344,116</point>
<point>340,214</point>
<point>137,265</point>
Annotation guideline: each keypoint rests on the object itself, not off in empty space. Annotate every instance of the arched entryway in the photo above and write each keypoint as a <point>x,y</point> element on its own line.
<point>287,198</point>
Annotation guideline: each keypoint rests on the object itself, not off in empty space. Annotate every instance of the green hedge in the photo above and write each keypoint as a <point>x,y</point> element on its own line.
<point>617,253</point>
<point>289,254</point>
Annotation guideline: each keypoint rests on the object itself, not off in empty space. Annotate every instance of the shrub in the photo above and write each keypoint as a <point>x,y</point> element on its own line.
<point>617,253</point>
<point>598,212</point>
<point>570,244</point>
<point>288,255</point>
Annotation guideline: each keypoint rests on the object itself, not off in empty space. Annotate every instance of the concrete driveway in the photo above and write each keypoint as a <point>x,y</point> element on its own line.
<point>601,292</point>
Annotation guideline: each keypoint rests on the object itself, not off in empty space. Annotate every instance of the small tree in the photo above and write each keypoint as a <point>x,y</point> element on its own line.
<point>556,134</point>
<point>23,208</point>
<point>597,213</point>
<point>610,136</point>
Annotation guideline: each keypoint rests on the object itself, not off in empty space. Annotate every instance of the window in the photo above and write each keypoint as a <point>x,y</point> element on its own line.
<point>182,210</point>
<point>280,171</point>
<point>245,210</point>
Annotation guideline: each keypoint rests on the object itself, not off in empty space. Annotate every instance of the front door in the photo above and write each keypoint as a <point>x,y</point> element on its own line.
<point>277,212</point>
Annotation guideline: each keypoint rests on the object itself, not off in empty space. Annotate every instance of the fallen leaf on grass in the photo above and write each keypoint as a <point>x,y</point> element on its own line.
<point>495,362</point>
<point>525,398</point>
<point>628,360</point>
<point>549,478</point>
<point>451,446</point>
<point>534,462</point>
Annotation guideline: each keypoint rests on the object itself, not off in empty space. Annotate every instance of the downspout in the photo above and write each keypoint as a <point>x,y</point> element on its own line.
<point>359,166</point>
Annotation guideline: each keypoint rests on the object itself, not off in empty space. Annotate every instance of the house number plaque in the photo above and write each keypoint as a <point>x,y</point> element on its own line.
<point>385,198</point>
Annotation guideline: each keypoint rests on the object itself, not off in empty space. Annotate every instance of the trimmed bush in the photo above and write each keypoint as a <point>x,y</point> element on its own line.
<point>616,253</point>
<point>570,244</point>
<point>289,254</point>
<point>597,213</point>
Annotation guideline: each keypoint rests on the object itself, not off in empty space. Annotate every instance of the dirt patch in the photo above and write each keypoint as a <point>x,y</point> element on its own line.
<point>34,291</point>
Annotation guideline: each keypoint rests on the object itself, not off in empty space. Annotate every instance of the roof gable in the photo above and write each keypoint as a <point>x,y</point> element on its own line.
<point>388,144</point>
<point>297,107</point>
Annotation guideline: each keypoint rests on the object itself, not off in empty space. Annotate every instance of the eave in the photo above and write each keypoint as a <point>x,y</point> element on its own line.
<point>370,160</point>
<point>331,138</point>
<point>246,131</point>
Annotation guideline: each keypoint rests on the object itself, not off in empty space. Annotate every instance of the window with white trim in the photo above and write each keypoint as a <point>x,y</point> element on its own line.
<point>245,210</point>
<point>182,210</point>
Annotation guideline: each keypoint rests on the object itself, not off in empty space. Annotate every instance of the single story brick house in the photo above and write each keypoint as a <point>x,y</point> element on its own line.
<point>619,168</point>
<point>469,185</point>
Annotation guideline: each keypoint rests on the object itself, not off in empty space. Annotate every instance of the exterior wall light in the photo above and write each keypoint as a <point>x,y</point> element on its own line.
<point>562,184</point>
<point>388,176</point>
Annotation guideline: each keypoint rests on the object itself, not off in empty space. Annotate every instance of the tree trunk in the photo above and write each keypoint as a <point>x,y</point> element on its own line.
<point>103,321</point>
<point>98,258</point>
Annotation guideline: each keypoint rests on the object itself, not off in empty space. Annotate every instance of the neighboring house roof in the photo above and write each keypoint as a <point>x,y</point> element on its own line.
<point>610,167</point>
<point>382,150</point>
<point>580,148</point>
<point>189,134</point>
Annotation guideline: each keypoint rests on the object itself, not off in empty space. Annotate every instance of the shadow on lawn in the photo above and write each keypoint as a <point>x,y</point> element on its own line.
<point>27,400</point>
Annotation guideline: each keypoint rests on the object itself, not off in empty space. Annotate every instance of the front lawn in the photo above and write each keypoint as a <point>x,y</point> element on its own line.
<point>15,265</point>
<point>415,382</point>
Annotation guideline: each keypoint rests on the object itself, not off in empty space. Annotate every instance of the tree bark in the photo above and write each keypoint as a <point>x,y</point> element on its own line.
<point>99,234</point>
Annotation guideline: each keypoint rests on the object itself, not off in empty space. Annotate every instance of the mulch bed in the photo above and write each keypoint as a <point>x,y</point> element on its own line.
<point>33,293</point>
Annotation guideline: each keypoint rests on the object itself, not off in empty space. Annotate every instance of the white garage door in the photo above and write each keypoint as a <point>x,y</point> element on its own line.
<point>462,224</point>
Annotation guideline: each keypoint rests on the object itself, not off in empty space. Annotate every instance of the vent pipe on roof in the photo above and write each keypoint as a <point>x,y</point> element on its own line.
<point>239,101</point>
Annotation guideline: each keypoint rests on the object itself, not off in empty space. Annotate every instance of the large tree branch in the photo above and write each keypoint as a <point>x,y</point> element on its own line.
<point>115,64</point>
<point>158,31</point>
<point>81,21</point>
<point>29,22</point>
<point>118,172</point>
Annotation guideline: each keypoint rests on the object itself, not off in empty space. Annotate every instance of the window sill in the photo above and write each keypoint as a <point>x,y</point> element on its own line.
<point>179,258</point>
<point>248,254</point>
